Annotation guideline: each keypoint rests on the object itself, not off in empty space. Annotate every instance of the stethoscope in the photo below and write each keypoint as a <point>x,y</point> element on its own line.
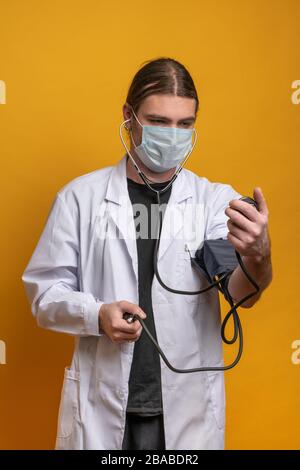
<point>237,327</point>
<point>146,180</point>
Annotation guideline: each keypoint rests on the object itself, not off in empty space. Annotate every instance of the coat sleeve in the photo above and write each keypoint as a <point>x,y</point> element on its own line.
<point>51,277</point>
<point>216,226</point>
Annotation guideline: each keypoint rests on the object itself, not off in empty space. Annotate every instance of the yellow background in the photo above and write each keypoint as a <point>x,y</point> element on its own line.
<point>67,66</point>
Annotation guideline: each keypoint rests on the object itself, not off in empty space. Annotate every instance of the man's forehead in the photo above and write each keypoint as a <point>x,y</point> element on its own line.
<point>169,106</point>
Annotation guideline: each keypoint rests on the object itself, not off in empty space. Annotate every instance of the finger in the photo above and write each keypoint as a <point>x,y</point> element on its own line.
<point>131,308</point>
<point>261,202</point>
<point>235,242</point>
<point>124,337</point>
<point>129,328</point>
<point>236,231</point>
<point>248,210</point>
<point>239,219</point>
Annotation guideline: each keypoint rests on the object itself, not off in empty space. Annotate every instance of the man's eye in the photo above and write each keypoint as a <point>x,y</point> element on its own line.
<point>160,121</point>
<point>156,120</point>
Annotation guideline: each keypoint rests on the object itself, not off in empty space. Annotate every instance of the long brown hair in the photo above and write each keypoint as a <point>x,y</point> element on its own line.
<point>161,76</point>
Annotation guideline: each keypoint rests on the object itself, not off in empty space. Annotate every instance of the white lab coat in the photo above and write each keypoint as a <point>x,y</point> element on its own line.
<point>74,269</point>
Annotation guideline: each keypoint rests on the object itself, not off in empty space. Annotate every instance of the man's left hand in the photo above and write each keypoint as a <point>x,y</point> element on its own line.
<point>248,227</point>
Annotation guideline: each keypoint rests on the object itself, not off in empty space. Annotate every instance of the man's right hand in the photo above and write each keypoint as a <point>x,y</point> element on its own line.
<point>113,324</point>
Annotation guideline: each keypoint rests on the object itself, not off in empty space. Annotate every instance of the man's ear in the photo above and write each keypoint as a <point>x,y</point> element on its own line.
<point>127,115</point>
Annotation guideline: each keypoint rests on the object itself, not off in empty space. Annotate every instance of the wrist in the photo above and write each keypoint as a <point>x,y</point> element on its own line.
<point>258,259</point>
<point>100,318</point>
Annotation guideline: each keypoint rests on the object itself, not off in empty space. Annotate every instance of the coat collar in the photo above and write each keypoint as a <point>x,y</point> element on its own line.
<point>117,186</point>
<point>120,209</point>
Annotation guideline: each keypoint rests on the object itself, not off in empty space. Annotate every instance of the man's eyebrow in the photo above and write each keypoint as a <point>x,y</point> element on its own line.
<point>158,116</point>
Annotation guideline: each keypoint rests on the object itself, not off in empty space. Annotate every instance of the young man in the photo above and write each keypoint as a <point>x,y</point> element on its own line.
<point>94,262</point>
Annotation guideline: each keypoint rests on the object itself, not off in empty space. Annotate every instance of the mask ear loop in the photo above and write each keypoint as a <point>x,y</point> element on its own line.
<point>127,149</point>
<point>181,164</point>
<point>136,117</point>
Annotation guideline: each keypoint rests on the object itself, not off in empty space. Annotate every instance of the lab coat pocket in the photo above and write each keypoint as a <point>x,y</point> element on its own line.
<point>217,394</point>
<point>69,404</point>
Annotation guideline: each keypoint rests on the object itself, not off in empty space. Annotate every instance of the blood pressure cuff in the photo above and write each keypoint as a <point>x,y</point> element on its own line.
<point>216,257</point>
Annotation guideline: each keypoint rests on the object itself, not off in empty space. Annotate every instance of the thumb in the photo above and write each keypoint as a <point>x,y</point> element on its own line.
<point>260,200</point>
<point>130,307</point>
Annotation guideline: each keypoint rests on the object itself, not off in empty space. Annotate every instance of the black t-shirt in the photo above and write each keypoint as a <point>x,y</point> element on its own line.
<point>145,396</point>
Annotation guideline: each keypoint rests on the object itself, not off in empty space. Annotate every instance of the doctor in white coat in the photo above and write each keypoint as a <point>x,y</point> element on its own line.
<point>83,275</point>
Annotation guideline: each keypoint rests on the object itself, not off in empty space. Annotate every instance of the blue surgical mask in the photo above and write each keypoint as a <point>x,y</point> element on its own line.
<point>163,148</point>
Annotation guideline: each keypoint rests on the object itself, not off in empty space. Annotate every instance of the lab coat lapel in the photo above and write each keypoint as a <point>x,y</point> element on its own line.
<point>120,210</point>
<point>174,216</point>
